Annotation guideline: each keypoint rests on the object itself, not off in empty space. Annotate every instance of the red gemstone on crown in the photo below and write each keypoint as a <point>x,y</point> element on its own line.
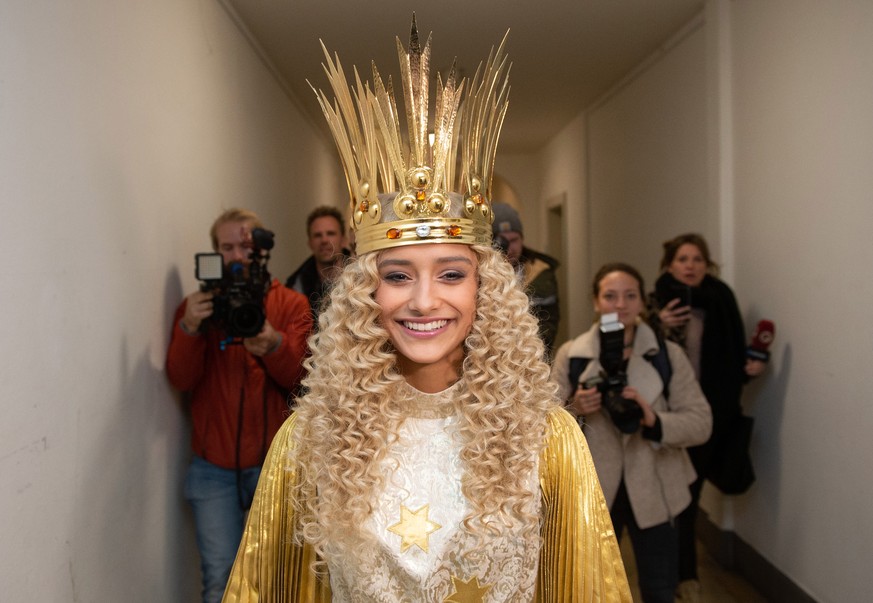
<point>453,231</point>
<point>394,233</point>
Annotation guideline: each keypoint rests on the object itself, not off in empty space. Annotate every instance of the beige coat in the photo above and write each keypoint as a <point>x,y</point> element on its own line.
<point>656,474</point>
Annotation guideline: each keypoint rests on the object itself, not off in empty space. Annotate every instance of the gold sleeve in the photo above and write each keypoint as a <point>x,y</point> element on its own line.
<point>580,558</point>
<point>270,566</point>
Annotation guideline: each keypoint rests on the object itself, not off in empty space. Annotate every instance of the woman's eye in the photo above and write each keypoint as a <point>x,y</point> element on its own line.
<point>453,275</point>
<point>395,277</point>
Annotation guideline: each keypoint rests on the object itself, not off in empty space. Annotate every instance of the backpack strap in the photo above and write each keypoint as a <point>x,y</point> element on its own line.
<point>577,367</point>
<point>661,361</point>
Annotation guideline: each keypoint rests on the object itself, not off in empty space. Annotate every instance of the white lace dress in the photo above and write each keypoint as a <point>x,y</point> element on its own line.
<point>417,525</point>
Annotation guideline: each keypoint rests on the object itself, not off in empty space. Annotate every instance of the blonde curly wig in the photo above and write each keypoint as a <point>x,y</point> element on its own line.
<point>351,412</point>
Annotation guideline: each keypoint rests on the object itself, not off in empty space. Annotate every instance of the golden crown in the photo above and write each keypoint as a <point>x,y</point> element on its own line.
<point>413,191</point>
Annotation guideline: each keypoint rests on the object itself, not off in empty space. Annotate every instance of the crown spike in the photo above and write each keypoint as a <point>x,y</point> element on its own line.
<point>389,124</point>
<point>415,76</point>
<point>405,191</point>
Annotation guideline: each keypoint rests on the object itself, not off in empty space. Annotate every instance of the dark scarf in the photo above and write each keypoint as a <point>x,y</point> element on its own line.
<point>313,288</point>
<point>723,345</point>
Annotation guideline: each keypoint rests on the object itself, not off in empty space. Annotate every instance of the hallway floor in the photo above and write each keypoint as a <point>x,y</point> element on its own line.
<point>719,585</point>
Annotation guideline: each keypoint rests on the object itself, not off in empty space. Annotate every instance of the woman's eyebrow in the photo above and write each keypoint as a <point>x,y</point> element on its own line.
<point>394,262</point>
<point>442,260</point>
<point>458,258</point>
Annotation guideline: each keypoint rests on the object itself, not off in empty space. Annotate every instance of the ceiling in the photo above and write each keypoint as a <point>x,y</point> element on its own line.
<point>565,53</point>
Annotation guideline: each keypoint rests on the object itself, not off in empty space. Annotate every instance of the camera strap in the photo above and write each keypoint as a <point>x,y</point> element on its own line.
<point>265,440</point>
<point>661,361</point>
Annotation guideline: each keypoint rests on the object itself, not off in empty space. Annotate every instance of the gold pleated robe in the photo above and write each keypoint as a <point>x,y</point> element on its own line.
<point>579,559</point>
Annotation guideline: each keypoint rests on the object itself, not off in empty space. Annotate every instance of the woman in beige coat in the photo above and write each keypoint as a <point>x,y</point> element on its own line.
<point>639,454</point>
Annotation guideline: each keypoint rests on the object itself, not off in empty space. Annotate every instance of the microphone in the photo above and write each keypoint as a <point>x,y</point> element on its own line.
<point>761,340</point>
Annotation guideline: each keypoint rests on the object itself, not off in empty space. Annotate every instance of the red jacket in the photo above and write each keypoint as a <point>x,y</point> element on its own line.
<point>229,388</point>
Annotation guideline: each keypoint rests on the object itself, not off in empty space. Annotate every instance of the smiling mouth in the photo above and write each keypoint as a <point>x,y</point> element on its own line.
<point>425,326</point>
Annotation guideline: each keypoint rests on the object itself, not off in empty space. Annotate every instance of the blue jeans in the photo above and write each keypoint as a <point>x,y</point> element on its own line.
<point>219,518</point>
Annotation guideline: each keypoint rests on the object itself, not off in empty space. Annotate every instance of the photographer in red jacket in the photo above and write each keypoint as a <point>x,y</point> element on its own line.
<point>238,386</point>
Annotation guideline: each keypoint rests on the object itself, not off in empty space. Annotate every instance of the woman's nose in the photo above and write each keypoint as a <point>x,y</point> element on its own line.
<point>423,298</point>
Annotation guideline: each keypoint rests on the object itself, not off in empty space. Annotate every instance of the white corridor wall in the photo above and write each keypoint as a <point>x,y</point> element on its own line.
<point>785,192</point>
<point>803,115</point>
<point>125,128</point>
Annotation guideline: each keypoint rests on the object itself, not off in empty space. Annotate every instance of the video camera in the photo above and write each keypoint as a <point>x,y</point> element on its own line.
<point>238,301</point>
<point>626,414</point>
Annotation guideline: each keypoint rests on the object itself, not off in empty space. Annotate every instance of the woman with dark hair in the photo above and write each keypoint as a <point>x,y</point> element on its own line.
<point>637,425</point>
<point>699,312</point>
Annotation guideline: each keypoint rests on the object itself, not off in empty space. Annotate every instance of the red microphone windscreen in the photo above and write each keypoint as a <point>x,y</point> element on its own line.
<point>764,334</point>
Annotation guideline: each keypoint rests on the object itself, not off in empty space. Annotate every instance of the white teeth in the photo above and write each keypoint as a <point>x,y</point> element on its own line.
<point>425,326</point>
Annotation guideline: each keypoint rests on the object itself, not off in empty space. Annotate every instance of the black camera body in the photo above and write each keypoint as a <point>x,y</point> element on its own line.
<point>238,292</point>
<point>626,414</point>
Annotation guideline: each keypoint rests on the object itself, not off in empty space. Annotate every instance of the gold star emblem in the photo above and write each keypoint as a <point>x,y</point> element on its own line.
<point>467,592</point>
<point>413,528</point>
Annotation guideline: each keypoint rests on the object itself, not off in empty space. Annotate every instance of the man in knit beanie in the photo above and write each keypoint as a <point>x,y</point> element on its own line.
<point>536,270</point>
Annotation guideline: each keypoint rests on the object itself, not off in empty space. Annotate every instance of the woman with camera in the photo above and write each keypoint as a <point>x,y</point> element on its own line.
<point>699,312</point>
<point>638,418</point>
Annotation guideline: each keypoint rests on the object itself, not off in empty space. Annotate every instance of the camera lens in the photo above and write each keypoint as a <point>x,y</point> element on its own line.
<point>246,320</point>
<point>626,414</point>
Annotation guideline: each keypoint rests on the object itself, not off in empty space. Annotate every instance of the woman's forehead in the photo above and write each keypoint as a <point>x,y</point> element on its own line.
<point>429,252</point>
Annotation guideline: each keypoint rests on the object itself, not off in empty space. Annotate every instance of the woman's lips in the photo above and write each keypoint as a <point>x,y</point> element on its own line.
<point>424,327</point>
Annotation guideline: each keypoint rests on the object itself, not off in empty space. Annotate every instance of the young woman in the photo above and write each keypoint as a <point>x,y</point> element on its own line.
<point>429,459</point>
<point>700,313</point>
<point>643,467</point>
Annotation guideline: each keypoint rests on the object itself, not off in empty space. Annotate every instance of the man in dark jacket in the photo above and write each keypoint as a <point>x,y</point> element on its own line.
<point>238,398</point>
<point>536,270</point>
<point>325,229</point>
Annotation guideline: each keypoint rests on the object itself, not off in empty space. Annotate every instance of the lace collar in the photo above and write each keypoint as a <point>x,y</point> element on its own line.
<point>421,405</point>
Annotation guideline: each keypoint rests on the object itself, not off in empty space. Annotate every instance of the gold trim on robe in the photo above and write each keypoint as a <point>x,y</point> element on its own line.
<point>579,559</point>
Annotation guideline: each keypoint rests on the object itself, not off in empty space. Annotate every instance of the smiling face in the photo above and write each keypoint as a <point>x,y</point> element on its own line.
<point>688,265</point>
<point>620,292</point>
<point>428,298</point>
